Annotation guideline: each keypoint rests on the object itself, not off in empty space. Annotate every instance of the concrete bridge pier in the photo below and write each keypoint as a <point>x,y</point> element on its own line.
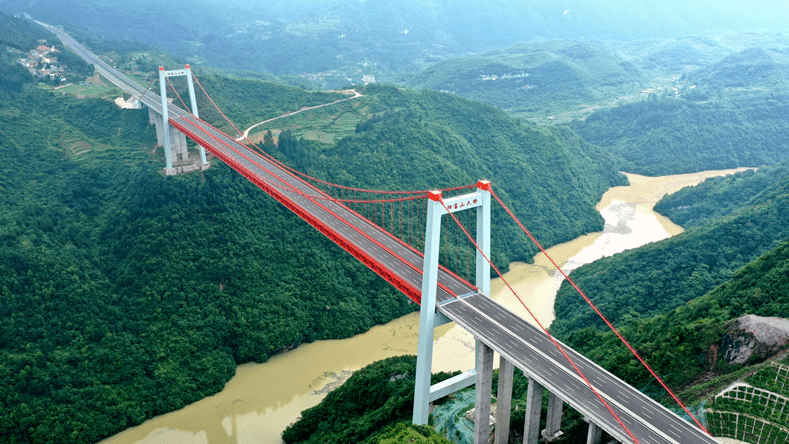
<point>178,144</point>
<point>484,385</point>
<point>504,401</point>
<point>153,119</point>
<point>553,424</point>
<point>483,391</point>
<point>594,435</point>
<point>531,425</point>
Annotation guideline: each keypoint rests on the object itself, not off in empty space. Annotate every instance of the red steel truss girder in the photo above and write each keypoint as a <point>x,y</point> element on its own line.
<point>381,270</point>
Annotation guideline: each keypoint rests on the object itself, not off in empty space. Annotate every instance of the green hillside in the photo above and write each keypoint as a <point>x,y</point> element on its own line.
<point>691,133</point>
<point>753,67</point>
<point>728,114</point>
<point>366,407</point>
<point>682,343</point>
<point>719,196</point>
<point>127,294</point>
<point>661,276</point>
<point>536,79</point>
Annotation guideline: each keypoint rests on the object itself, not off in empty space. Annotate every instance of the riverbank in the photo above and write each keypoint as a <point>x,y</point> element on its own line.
<point>262,399</point>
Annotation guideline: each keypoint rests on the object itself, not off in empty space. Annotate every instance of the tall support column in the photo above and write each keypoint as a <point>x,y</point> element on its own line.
<point>427,312</point>
<point>504,401</point>
<point>531,425</point>
<point>553,424</point>
<point>168,155</point>
<point>159,132</point>
<point>193,101</point>
<point>182,142</point>
<point>484,387</point>
<point>483,238</point>
<point>175,144</point>
<point>178,143</point>
<point>595,434</point>
<point>483,284</point>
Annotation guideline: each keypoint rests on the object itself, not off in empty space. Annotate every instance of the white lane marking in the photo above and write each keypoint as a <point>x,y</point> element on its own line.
<point>656,407</point>
<point>572,374</point>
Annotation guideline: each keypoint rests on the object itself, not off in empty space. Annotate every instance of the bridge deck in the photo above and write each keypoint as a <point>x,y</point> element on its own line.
<point>520,342</point>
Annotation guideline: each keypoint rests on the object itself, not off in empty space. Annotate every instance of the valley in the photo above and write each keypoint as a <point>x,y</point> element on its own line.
<point>249,409</point>
<point>146,297</point>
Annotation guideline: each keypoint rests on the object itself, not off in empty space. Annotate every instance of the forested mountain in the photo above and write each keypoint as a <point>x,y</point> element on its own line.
<point>681,135</point>
<point>752,67</point>
<point>683,343</point>
<point>364,407</point>
<point>336,40</point>
<point>127,294</point>
<point>728,114</point>
<point>536,78</point>
<point>718,197</point>
<point>661,276</point>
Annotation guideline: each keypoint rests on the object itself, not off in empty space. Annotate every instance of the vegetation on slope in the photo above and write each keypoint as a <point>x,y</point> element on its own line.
<point>681,135</point>
<point>719,197</point>
<point>365,408</point>
<point>535,79</point>
<point>127,294</point>
<point>682,344</point>
<point>664,275</point>
<point>729,114</point>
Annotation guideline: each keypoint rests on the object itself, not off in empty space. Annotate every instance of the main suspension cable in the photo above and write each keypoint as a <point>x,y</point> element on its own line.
<point>545,330</point>
<point>599,313</point>
<point>307,176</point>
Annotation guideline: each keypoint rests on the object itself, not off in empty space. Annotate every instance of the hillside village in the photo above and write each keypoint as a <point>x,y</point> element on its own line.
<point>42,62</point>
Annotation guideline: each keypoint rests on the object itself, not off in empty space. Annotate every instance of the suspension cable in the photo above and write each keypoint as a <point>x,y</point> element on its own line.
<point>175,91</point>
<point>307,176</point>
<point>599,313</point>
<point>545,330</point>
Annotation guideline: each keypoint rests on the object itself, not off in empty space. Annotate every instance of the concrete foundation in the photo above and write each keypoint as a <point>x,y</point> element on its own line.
<point>484,388</point>
<point>531,426</point>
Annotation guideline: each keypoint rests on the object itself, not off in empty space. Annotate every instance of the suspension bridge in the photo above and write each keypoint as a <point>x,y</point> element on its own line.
<point>398,234</point>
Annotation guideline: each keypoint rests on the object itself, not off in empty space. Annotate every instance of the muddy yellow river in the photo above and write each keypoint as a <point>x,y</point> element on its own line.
<point>262,399</point>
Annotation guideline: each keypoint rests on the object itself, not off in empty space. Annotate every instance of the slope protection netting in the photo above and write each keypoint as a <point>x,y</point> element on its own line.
<point>747,428</point>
